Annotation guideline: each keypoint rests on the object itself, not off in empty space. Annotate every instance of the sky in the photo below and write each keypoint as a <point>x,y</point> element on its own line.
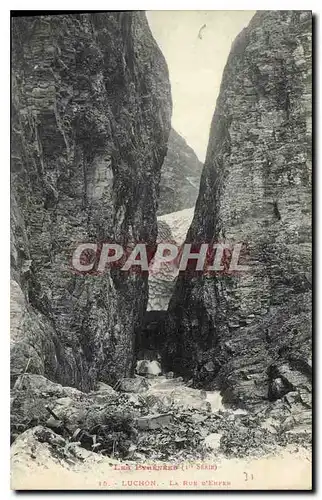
<point>196,65</point>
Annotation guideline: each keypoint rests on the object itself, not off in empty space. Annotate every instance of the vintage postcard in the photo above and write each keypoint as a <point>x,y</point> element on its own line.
<point>161,256</point>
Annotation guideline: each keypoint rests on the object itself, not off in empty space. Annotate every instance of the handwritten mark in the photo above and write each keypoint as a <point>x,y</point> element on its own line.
<point>201,29</point>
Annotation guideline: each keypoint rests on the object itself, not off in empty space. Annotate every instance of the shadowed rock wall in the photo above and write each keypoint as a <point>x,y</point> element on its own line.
<point>91,110</point>
<point>250,334</point>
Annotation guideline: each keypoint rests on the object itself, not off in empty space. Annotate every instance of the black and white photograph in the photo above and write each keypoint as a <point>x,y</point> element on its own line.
<point>161,250</point>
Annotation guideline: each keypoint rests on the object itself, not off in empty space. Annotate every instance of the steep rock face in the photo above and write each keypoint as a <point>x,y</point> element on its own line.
<point>90,122</point>
<point>250,334</point>
<point>180,176</point>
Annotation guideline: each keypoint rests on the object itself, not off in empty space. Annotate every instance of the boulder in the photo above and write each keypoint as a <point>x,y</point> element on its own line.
<point>299,429</point>
<point>292,397</point>
<point>278,388</point>
<point>35,399</point>
<point>180,396</point>
<point>136,385</point>
<point>151,422</point>
<point>210,366</point>
<point>105,388</point>
<point>213,441</point>
<point>271,425</point>
<point>40,385</point>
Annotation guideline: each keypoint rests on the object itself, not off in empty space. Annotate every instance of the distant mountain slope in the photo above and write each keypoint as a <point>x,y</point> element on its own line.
<point>180,176</point>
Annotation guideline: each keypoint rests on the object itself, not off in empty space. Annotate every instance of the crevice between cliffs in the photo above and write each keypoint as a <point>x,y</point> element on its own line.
<point>134,367</point>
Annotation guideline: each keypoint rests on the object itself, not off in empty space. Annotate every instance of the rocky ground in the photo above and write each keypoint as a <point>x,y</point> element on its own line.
<point>142,420</point>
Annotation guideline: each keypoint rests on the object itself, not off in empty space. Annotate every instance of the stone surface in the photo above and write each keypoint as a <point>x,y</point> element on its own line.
<point>136,385</point>
<point>38,384</point>
<point>32,396</point>
<point>254,327</point>
<point>91,110</point>
<point>180,396</point>
<point>101,387</point>
<point>180,176</point>
<point>213,441</point>
<point>139,426</point>
<point>151,422</point>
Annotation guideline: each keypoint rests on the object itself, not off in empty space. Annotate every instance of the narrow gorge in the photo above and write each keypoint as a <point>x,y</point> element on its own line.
<point>96,158</point>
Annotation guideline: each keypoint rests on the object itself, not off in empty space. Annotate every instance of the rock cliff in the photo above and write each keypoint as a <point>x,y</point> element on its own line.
<point>180,176</point>
<point>91,111</point>
<point>250,334</point>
